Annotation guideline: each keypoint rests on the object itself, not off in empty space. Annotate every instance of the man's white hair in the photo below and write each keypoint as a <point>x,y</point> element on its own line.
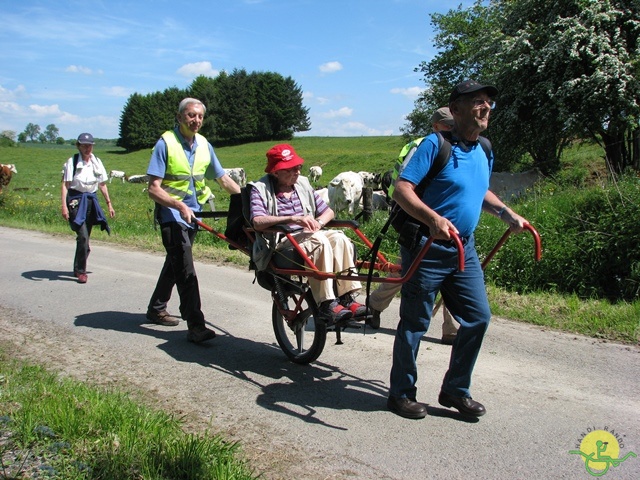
<point>189,101</point>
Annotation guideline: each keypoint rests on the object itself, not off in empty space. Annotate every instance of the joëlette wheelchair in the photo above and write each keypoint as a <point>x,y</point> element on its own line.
<point>300,331</point>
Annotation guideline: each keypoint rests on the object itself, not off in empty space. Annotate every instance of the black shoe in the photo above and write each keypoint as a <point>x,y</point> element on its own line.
<point>374,321</point>
<point>162,318</point>
<point>465,405</point>
<point>200,334</point>
<point>354,307</point>
<point>406,408</point>
<point>332,312</point>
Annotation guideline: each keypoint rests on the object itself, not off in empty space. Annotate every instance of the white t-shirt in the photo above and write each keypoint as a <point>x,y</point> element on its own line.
<point>88,175</point>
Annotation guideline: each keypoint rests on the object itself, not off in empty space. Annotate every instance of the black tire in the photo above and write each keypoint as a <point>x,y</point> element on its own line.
<point>303,340</point>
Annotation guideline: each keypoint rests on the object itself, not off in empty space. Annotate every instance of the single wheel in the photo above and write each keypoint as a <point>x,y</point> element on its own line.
<point>299,333</point>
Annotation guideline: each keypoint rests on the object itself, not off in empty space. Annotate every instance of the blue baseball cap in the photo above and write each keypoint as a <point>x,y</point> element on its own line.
<point>86,139</point>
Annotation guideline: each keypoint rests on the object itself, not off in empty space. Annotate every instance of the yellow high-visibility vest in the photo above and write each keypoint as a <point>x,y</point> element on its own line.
<point>179,174</point>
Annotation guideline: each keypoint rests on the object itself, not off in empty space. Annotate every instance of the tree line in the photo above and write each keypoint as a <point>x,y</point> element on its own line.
<point>241,107</point>
<point>32,133</point>
<point>565,70</point>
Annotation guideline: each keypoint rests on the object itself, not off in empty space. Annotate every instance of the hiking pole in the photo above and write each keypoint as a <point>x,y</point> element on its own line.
<point>537,253</point>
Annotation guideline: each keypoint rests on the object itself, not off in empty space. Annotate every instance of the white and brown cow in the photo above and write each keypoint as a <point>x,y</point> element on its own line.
<point>6,172</point>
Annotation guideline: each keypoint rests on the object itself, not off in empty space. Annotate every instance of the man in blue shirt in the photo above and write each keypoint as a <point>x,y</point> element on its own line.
<point>180,162</point>
<point>452,201</point>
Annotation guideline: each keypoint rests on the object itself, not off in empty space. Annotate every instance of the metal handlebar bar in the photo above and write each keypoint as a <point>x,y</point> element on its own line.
<point>312,271</point>
<point>537,253</point>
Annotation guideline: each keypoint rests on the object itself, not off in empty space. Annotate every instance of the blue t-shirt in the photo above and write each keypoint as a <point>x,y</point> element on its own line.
<point>458,190</point>
<point>158,167</point>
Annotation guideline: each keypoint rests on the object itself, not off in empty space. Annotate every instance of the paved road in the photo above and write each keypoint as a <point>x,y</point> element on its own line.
<point>543,390</point>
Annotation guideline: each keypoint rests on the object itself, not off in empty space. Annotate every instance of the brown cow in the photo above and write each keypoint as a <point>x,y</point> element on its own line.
<point>5,174</point>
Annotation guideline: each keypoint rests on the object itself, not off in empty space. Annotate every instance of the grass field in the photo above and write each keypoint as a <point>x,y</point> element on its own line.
<point>32,201</point>
<point>37,435</point>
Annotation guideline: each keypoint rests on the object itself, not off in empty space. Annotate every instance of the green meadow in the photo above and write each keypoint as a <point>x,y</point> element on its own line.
<point>558,292</point>
<point>47,434</point>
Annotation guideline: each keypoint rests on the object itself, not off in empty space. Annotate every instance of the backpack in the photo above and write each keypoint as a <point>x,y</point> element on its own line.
<point>238,217</point>
<point>398,217</point>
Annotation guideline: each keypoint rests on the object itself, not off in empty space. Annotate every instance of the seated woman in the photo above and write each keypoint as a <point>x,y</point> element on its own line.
<point>284,197</point>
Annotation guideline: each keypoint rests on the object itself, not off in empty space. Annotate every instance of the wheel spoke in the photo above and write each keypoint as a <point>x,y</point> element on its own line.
<point>302,338</point>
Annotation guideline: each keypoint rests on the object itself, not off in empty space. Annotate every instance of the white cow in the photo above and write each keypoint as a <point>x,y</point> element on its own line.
<point>238,175</point>
<point>211,203</point>
<point>509,185</point>
<point>315,172</point>
<point>345,191</point>
<point>137,178</point>
<point>380,200</point>
<point>371,180</point>
<point>324,194</point>
<point>116,174</point>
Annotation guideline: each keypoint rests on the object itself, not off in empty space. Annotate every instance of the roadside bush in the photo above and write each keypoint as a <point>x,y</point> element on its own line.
<point>589,238</point>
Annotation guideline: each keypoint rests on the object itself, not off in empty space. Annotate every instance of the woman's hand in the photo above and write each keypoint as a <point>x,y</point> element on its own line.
<point>307,222</point>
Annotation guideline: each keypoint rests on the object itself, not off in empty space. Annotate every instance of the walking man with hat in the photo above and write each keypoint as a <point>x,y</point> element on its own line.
<point>452,202</point>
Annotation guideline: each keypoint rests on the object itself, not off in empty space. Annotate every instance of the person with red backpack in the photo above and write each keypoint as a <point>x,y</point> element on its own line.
<point>451,203</point>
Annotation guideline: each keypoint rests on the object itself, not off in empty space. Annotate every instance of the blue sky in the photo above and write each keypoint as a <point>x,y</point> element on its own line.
<point>74,64</point>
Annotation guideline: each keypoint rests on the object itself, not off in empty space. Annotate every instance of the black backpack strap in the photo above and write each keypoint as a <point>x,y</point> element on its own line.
<point>75,163</point>
<point>441,160</point>
<point>485,143</point>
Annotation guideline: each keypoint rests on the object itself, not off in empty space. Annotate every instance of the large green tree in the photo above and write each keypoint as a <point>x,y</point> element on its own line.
<point>241,107</point>
<point>145,117</point>
<point>51,133</point>
<point>565,70</point>
<point>204,89</point>
<point>280,109</point>
<point>235,113</point>
<point>31,132</point>
<point>572,72</point>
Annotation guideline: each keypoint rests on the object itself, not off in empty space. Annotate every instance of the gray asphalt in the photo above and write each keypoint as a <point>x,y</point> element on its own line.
<point>543,390</point>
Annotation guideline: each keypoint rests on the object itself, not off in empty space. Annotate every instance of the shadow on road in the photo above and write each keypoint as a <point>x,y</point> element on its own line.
<point>365,330</point>
<point>297,390</point>
<point>39,275</point>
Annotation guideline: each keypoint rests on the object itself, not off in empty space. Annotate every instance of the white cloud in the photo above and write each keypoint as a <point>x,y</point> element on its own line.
<point>412,92</point>
<point>191,70</point>
<point>346,129</point>
<point>10,108</point>
<point>310,96</point>
<point>330,67</point>
<point>341,112</point>
<point>7,95</point>
<point>69,118</point>
<point>117,91</point>
<point>83,70</point>
<point>45,110</point>
<point>358,128</point>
